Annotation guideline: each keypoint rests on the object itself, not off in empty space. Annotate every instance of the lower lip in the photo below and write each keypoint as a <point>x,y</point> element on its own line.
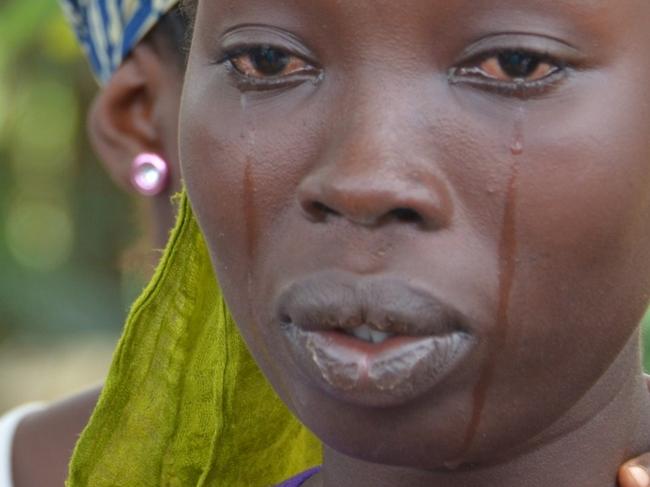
<point>381,374</point>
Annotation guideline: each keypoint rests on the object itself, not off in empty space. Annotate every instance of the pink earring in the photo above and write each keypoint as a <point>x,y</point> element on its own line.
<point>149,174</point>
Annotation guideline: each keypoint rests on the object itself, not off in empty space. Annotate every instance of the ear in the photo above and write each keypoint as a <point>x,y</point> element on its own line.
<point>125,120</point>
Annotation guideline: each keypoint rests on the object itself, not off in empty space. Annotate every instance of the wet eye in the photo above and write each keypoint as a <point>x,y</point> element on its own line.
<point>515,72</point>
<point>516,66</point>
<point>268,62</point>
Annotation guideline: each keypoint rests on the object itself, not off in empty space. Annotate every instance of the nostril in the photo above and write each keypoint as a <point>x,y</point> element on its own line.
<point>322,210</point>
<point>406,215</point>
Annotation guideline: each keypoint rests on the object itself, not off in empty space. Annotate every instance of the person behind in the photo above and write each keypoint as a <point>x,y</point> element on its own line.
<point>45,435</point>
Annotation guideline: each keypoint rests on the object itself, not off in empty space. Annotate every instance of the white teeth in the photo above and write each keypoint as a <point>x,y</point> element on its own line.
<point>362,333</point>
<point>367,334</point>
<point>379,336</point>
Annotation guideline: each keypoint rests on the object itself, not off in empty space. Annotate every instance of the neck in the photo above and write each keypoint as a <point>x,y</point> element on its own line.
<point>584,448</point>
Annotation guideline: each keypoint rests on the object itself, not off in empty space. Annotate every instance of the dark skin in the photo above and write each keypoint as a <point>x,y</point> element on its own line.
<point>137,111</point>
<point>45,440</point>
<point>485,162</point>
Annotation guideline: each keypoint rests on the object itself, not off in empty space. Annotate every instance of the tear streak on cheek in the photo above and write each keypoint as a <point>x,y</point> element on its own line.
<point>507,268</point>
<point>251,235</point>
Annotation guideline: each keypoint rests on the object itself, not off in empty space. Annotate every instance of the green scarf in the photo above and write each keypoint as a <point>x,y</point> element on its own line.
<point>184,403</point>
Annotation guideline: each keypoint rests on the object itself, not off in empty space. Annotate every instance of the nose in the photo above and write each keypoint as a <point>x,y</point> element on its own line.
<point>373,191</point>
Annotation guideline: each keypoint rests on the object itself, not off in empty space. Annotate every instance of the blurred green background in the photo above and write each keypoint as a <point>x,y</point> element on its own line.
<point>65,229</point>
<point>66,232</point>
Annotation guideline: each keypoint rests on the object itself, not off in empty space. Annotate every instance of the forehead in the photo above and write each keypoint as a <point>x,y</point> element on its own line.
<point>582,11</point>
<point>581,21</point>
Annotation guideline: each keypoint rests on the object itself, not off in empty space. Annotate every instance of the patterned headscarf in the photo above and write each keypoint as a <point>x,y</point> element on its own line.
<point>109,29</point>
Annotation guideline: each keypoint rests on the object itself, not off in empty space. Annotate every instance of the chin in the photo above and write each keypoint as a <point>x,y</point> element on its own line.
<point>422,435</point>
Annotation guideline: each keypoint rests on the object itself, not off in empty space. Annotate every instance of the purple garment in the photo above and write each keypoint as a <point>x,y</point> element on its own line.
<point>300,479</point>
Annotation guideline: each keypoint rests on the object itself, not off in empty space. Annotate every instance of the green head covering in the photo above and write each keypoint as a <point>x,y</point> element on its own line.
<point>184,404</point>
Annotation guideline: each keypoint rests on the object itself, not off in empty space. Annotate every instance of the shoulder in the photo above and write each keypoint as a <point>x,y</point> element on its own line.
<point>45,438</point>
<point>8,425</point>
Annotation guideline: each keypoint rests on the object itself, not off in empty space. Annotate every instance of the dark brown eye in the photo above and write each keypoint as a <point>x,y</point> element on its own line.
<point>268,62</point>
<point>516,66</point>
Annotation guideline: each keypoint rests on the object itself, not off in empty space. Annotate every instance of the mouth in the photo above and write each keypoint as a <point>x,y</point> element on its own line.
<point>368,335</point>
<point>376,341</point>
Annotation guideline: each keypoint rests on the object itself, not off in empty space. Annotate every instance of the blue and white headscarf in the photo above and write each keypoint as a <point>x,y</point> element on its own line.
<point>109,29</point>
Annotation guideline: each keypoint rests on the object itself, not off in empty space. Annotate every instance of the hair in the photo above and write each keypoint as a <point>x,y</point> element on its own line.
<point>189,8</point>
<point>172,33</point>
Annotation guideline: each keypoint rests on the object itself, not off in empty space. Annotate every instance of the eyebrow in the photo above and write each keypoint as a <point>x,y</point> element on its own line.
<point>589,16</point>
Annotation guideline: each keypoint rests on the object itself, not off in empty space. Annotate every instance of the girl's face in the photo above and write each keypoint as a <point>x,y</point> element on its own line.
<point>430,218</point>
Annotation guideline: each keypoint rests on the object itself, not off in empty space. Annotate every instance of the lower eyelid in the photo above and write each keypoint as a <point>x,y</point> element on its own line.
<point>521,89</point>
<point>250,83</point>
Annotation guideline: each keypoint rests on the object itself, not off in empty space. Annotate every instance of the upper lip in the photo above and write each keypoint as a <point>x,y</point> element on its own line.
<point>342,301</point>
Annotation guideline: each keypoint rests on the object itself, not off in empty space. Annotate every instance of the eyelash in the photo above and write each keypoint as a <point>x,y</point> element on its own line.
<point>245,82</point>
<point>468,72</point>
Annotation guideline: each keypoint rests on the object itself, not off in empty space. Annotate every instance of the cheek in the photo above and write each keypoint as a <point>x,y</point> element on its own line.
<point>583,250</point>
<point>584,213</point>
<point>241,165</point>
<point>589,178</point>
<point>214,171</point>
